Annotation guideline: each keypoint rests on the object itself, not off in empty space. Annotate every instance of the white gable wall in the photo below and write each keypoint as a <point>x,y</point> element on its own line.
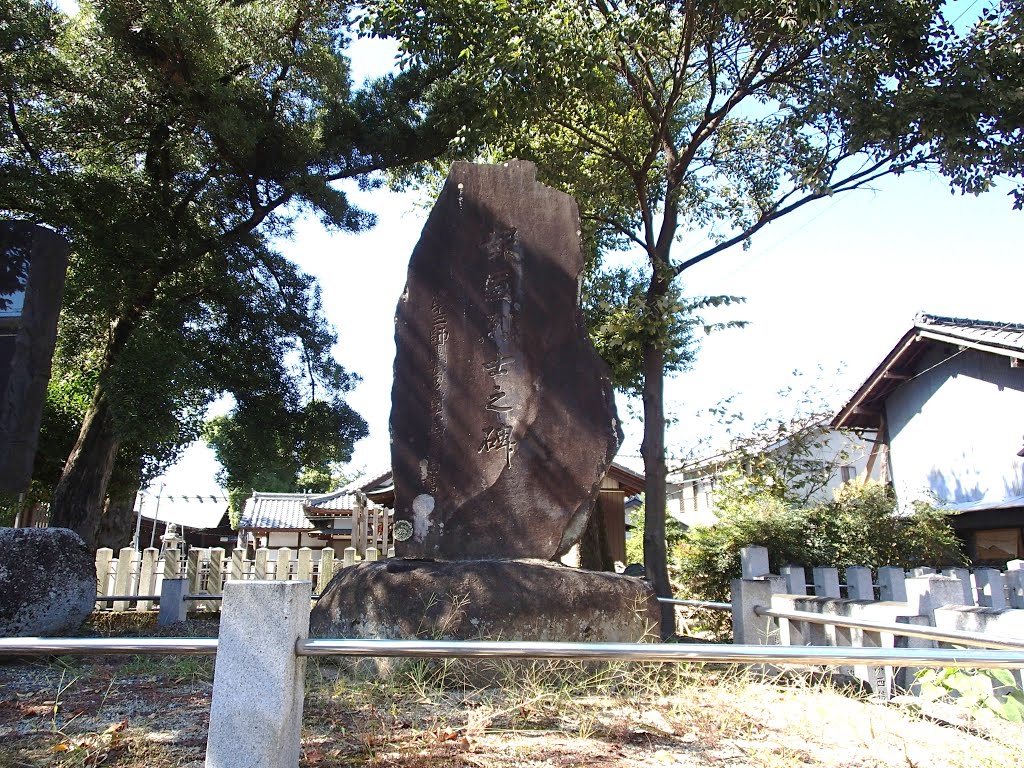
<point>955,429</point>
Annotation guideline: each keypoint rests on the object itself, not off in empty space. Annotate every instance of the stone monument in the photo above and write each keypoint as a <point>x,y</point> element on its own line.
<point>503,426</point>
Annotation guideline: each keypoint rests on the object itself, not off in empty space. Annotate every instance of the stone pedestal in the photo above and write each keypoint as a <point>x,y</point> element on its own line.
<point>485,600</point>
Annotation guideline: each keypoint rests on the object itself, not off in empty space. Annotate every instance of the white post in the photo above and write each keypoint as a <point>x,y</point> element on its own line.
<point>990,588</point>
<point>238,563</point>
<point>326,572</point>
<point>964,576</point>
<point>349,557</point>
<point>123,579</point>
<point>892,584</point>
<point>215,584</point>
<point>256,712</point>
<point>283,564</point>
<point>103,558</point>
<point>147,577</point>
<point>260,566</point>
<point>304,565</point>
<point>371,555</point>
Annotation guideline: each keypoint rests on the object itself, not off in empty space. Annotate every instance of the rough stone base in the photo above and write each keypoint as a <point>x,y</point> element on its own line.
<point>47,582</point>
<point>484,599</point>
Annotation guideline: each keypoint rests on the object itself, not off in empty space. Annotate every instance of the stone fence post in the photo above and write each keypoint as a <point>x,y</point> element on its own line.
<point>173,607</point>
<point>747,627</point>
<point>258,682</point>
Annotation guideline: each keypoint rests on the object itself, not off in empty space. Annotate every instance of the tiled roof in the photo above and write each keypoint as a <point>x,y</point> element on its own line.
<point>336,500</point>
<point>189,510</point>
<point>993,336</point>
<point>276,510</point>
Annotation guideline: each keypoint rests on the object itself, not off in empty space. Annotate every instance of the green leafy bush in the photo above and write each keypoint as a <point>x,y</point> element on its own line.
<point>861,526</point>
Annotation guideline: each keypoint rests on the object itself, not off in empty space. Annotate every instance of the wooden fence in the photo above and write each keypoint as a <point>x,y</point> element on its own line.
<point>984,602</point>
<point>134,573</point>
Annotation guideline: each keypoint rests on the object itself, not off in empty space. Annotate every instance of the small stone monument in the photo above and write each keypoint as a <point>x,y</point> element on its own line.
<point>503,426</point>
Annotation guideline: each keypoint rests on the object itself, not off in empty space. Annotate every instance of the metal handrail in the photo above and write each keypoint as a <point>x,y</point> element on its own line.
<point>656,652</point>
<point>909,630</point>
<point>675,652</point>
<point>35,646</point>
<point>711,604</point>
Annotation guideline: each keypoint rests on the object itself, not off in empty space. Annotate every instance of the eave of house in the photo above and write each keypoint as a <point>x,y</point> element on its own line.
<point>865,409</point>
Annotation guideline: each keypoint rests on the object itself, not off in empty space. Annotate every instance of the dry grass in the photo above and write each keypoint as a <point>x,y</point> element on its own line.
<point>153,712</point>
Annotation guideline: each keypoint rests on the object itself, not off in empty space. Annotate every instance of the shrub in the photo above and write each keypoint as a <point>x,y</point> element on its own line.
<point>861,526</point>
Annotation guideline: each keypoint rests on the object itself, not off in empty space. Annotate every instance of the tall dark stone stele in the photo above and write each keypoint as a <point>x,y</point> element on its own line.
<point>503,420</point>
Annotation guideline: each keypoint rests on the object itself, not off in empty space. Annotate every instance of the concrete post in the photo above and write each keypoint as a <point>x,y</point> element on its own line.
<point>892,584</point>
<point>826,582</point>
<point>747,627</point>
<point>123,577</point>
<point>147,577</point>
<point>754,562</point>
<point>304,565</point>
<point>260,566</point>
<point>283,565</point>
<point>926,593</point>
<point>238,563</point>
<point>173,608</point>
<point>215,584</point>
<point>990,588</point>
<point>964,575</point>
<point>858,583</point>
<point>258,683</point>
<point>192,571</point>
<point>326,572</point>
<point>349,557</point>
<point>1015,572</point>
<point>796,579</point>
<point>103,557</point>
<point>371,555</point>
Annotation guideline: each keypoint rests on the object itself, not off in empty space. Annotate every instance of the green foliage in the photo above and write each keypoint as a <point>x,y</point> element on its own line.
<point>675,534</point>
<point>173,144</point>
<point>861,526</point>
<point>990,690</point>
<point>263,449</point>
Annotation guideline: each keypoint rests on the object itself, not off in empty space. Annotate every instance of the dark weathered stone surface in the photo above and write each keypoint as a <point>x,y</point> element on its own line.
<point>503,421</point>
<point>33,261</point>
<point>484,599</point>
<point>47,581</point>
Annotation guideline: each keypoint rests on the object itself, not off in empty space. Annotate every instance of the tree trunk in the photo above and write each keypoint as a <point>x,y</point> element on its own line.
<point>655,498</point>
<point>595,553</point>
<point>117,526</point>
<point>77,501</point>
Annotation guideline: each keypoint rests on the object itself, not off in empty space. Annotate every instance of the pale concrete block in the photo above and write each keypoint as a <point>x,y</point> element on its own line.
<point>926,593</point>
<point>754,562</point>
<point>1015,582</point>
<point>371,555</point>
<point>892,584</point>
<point>858,583</point>
<point>791,631</point>
<point>991,593</point>
<point>123,578</point>
<point>349,557</point>
<point>258,684</point>
<point>172,564</point>
<point>192,571</point>
<point>826,582</point>
<point>964,576</point>
<point>173,608</point>
<point>796,579</point>
<point>747,627</point>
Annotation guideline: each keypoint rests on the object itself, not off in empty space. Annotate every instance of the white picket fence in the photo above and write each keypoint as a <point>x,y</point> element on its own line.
<point>132,573</point>
<point>985,602</point>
